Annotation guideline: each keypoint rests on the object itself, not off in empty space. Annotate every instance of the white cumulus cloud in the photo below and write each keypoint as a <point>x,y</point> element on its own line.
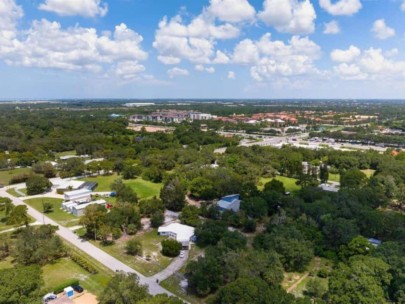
<point>289,16</point>
<point>47,45</point>
<point>331,28</point>
<point>341,7</point>
<point>231,75</point>
<point>84,8</point>
<point>231,10</point>
<point>271,59</point>
<point>174,72</point>
<point>345,55</point>
<point>381,30</point>
<point>195,42</point>
<point>372,64</point>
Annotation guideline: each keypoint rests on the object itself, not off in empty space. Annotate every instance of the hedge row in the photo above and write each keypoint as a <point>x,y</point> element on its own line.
<point>61,287</point>
<point>82,263</point>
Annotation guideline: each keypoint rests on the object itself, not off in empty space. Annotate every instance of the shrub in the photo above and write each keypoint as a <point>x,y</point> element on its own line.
<point>250,226</point>
<point>171,248</point>
<point>133,247</point>
<point>132,229</point>
<point>17,179</point>
<point>116,233</point>
<point>82,263</point>
<point>323,273</point>
<point>61,287</point>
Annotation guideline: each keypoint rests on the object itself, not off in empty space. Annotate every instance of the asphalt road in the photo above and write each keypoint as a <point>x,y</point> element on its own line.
<point>98,254</point>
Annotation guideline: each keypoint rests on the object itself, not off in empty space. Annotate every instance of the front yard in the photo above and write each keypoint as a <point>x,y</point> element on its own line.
<point>289,183</point>
<point>150,245</point>
<point>58,215</point>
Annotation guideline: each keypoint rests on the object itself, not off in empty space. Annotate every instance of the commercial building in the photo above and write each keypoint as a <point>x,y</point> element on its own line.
<point>171,116</point>
<point>78,196</point>
<point>78,209</point>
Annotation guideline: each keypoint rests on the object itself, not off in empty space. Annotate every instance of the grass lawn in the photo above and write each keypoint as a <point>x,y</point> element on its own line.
<point>5,176</point>
<point>150,246</point>
<point>59,154</point>
<point>14,193</point>
<point>58,215</point>
<point>3,225</point>
<point>144,189</point>
<point>368,172</point>
<point>65,269</point>
<point>6,263</point>
<point>289,183</point>
<point>291,278</point>
<point>334,177</point>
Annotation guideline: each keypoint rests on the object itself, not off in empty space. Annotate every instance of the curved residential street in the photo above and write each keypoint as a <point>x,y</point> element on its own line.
<point>98,254</point>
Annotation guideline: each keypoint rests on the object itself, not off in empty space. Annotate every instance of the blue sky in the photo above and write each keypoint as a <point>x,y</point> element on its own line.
<point>202,49</point>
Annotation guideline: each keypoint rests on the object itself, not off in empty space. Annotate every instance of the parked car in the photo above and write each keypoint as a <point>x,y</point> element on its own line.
<point>78,288</point>
<point>48,297</point>
<point>181,254</point>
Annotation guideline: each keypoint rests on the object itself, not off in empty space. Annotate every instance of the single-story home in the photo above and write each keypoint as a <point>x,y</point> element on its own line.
<point>181,233</point>
<point>65,184</point>
<point>229,202</point>
<point>330,187</point>
<point>81,195</point>
<point>78,209</point>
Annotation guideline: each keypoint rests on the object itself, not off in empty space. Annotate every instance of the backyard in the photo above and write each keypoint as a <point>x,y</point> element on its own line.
<point>143,188</point>
<point>295,283</point>
<point>58,215</point>
<point>150,246</point>
<point>5,176</point>
<point>289,183</point>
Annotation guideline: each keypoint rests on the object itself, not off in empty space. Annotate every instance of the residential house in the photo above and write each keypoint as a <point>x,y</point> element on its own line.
<point>181,233</point>
<point>229,202</point>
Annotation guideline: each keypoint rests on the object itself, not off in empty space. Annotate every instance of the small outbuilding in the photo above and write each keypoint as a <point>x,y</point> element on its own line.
<point>69,292</point>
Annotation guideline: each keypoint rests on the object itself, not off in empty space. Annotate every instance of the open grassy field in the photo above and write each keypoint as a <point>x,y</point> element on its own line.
<point>150,246</point>
<point>65,269</point>
<point>289,183</point>
<point>144,189</point>
<point>5,176</point>
<point>58,215</point>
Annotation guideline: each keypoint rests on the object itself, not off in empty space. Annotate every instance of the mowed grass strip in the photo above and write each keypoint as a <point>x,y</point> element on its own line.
<point>58,215</point>
<point>144,189</point>
<point>6,175</point>
<point>289,183</point>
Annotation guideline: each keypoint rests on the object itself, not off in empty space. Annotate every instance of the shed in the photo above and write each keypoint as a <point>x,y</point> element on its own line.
<point>69,292</point>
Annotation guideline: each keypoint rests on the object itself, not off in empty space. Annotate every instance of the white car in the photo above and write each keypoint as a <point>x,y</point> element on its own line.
<point>181,254</point>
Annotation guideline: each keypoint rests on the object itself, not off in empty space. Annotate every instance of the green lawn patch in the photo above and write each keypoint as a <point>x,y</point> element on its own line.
<point>59,154</point>
<point>150,246</point>
<point>3,225</point>
<point>65,269</point>
<point>6,175</point>
<point>6,263</point>
<point>13,192</point>
<point>368,172</point>
<point>289,183</point>
<point>58,215</point>
<point>334,177</point>
<point>144,189</point>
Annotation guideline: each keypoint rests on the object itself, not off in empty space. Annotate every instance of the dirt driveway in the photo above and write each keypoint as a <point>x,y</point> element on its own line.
<point>86,298</point>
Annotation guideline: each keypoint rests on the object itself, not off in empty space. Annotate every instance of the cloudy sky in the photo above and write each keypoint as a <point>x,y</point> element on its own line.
<point>202,49</point>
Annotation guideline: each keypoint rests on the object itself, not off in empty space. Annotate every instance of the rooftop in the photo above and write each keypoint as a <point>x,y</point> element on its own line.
<point>183,232</point>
